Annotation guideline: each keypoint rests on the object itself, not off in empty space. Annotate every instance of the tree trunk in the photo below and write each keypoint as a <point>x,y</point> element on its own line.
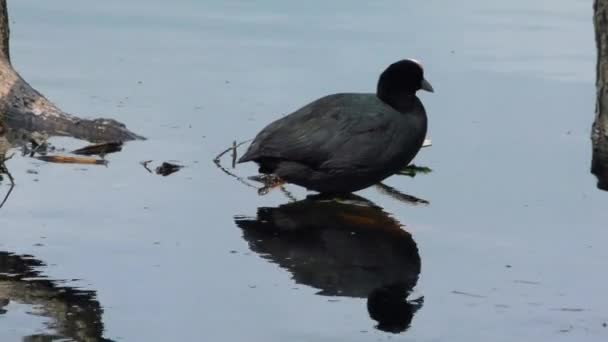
<point>4,32</point>
<point>599,134</point>
<point>24,108</point>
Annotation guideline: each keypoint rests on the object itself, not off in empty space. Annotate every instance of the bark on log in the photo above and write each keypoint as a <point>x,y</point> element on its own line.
<point>24,108</point>
<point>599,133</point>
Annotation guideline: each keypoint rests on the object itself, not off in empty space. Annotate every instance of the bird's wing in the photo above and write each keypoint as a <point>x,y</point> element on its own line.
<point>324,131</point>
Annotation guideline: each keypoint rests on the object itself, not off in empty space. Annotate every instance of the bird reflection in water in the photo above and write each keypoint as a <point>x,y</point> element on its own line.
<point>343,247</point>
<point>75,314</point>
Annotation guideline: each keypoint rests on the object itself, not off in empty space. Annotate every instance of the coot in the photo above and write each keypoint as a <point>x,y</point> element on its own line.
<point>346,142</point>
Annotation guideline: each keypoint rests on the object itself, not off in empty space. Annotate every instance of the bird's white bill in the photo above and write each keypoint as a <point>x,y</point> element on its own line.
<point>427,142</point>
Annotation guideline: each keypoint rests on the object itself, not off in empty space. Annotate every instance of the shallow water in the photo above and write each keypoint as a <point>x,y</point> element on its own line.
<point>510,248</point>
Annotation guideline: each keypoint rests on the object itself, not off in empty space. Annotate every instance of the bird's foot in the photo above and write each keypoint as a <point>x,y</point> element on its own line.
<point>270,182</point>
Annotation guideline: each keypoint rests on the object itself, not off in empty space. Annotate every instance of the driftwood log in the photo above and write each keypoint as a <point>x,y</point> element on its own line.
<point>22,108</point>
<point>599,135</point>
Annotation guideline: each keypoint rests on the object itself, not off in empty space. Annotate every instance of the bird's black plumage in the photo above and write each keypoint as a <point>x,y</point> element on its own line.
<point>346,142</point>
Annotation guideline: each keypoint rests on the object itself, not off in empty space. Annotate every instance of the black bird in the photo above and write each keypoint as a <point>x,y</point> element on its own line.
<point>346,142</point>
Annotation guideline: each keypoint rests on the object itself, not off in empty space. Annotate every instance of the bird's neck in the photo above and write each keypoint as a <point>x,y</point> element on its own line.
<point>400,102</point>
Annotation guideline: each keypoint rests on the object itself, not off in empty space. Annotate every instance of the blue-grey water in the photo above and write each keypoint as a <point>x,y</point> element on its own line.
<point>511,248</point>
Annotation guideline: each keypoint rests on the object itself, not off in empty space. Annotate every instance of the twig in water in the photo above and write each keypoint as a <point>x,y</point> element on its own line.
<point>234,154</point>
<point>398,195</point>
<point>4,160</point>
<point>264,179</point>
<point>10,189</point>
<point>218,158</point>
<point>288,194</point>
<point>4,170</point>
<point>145,165</point>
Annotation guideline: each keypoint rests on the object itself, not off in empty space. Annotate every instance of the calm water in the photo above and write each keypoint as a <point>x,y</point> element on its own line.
<point>510,249</point>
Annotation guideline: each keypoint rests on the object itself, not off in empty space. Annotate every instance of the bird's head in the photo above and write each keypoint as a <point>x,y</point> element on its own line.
<point>402,78</point>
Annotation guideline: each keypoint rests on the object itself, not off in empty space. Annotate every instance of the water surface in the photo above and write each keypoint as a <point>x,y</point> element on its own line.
<point>511,247</point>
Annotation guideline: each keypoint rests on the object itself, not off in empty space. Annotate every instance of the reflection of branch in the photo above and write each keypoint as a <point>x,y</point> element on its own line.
<point>4,170</point>
<point>398,195</point>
